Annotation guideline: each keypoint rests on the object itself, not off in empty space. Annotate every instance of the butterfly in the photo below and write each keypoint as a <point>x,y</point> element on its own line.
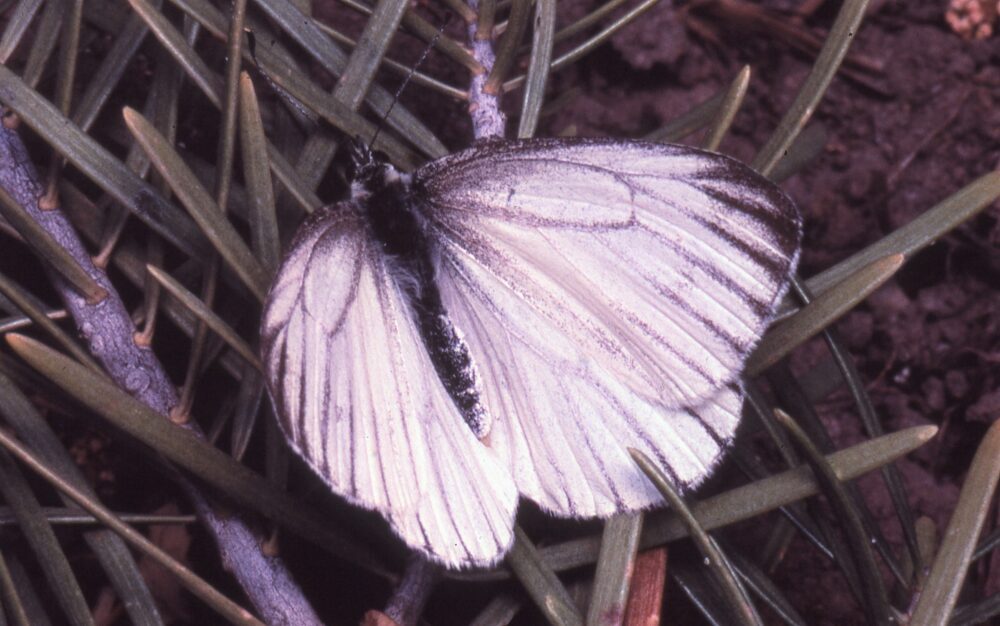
<point>508,320</point>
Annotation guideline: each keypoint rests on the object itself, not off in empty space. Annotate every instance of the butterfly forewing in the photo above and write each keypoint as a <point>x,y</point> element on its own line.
<point>659,264</point>
<point>358,400</point>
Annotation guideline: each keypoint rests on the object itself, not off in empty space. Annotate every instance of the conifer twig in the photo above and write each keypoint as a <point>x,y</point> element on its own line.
<point>484,108</point>
<point>109,332</point>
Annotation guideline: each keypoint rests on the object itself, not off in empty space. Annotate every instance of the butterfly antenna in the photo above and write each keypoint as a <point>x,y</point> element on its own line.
<point>409,75</point>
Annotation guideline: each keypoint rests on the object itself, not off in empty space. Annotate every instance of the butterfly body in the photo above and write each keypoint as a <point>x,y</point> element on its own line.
<point>385,199</point>
<point>511,319</point>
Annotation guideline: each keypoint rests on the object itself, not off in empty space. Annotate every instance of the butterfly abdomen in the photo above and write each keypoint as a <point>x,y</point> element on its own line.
<point>399,228</point>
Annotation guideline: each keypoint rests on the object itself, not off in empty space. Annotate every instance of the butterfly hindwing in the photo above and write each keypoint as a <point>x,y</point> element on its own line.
<point>564,425</point>
<point>359,401</point>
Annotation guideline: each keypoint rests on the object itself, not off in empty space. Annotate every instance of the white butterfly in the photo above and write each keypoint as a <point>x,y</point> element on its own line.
<point>511,318</point>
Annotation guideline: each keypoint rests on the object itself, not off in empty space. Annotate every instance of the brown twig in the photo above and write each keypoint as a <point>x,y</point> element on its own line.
<point>645,598</point>
<point>109,333</point>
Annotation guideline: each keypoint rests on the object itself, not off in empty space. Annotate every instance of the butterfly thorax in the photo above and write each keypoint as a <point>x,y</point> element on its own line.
<point>394,215</point>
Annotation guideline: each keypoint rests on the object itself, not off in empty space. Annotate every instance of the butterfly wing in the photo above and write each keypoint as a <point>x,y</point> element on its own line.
<point>609,294</point>
<point>661,263</point>
<point>563,424</point>
<point>358,399</point>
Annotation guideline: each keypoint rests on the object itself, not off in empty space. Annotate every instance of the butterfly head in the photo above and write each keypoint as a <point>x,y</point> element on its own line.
<point>368,170</point>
